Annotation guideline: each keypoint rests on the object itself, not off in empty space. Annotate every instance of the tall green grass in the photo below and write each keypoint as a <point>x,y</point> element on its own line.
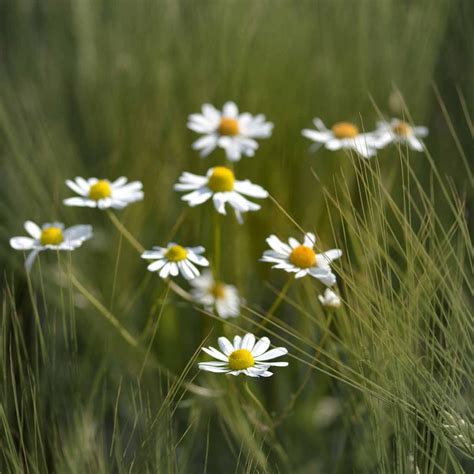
<point>98,362</point>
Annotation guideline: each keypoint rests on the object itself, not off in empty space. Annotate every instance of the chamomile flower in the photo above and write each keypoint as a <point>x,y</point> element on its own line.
<point>50,236</point>
<point>216,294</point>
<point>301,259</point>
<point>398,131</point>
<point>243,356</point>
<point>234,132</point>
<point>220,185</point>
<point>330,299</point>
<point>342,135</point>
<point>103,193</point>
<point>175,259</point>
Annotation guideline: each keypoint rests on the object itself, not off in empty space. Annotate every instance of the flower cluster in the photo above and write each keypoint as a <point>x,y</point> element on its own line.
<point>346,135</point>
<point>236,133</point>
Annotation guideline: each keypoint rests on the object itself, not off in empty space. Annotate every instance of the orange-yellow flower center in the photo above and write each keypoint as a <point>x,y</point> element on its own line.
<point>100,190</point>
<point>176,253</point>
<point>345,130</point>
<point>51,236</point>
<point>221,180</point>
<point>402,129</point>
<point>229,126</point>
<point>241,359</point>
<point>303,257</point>
<point>218,290</point>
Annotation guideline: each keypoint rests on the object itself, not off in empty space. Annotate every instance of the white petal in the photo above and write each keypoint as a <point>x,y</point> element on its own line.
<point>262,345</point>
<point>248,342</point>
<point>237,342</point>
<point>272,354</point>
<point>249,189</point>
<point>30,259</point>
<point>32,229</point>
<point>225,345</point>
<point>155,266</point>
<point>80,202</point>
<point>22,243</point>
<point>78,232</point>
<point>309,239</point>
<point>213,352</point>
<point>164,272</point>
<point>230,110</point>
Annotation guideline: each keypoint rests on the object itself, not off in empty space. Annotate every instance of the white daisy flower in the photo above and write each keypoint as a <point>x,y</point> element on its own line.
<point>233,132</point>
<point>342,135</point>
<point>175,259</point>
<point>103,193</point>
<point>244,356</point>
<point>301,258</point>
<point>398,131</point>
<point>216,294</point>
<point>220,185</point>
<point>50,236</point>
<point>330,299</point>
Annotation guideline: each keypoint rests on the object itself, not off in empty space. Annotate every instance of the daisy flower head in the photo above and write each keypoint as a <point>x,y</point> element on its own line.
<point>216,294</point>
<point>330,299</point>
<point>229,130</point>
<point>220,185</point>
<point>103,193</point>
<point>175,259</point>
<point>342,135</point>
<point>50,236</point>
<point>398,131</point>
<point>301,259</point>
<point>245,356</point>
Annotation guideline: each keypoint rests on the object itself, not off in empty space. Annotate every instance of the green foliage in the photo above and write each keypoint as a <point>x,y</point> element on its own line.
<point>98,357</point>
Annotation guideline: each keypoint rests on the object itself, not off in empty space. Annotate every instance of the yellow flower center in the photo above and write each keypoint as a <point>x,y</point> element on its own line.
<point>229,126</point>
<point>402,129</point>
<point>241,359</point>
<point>100,190</point>
<point>218,290</point>
<point>51,236</point>
<point>345,130</point>
<point>221,180</point>
<point>176,253</point>
<point>303,257</point>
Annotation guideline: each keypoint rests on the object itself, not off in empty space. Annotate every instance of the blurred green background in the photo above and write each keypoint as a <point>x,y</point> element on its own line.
<point>103,88</point>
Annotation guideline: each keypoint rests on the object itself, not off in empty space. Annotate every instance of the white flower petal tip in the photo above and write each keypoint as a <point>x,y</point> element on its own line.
<point>104,194</point>
<point>50,236</point>
<point>330,299</point>
<point>247,356</point>
<point>343,135</point>
<point>234,132</point>
<point>216,296</point>
<point>301,258</point>
<point>175,260</point>
<point>220,185</point>
<point>400,132</point>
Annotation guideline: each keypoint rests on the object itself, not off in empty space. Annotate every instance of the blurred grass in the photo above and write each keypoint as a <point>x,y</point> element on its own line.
<point>101,88</point>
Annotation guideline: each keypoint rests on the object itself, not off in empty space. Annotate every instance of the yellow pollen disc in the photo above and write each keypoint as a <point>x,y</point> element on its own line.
<point>345,130</point>
<point>176,253</point>
<point>229,126</point>
<point>100,190</point>
<point>221,180</point>
<point>218,290</point>
<point>303,257</point>
<point>402,129</point>
<point>51,236</point>
<point>241,359</point>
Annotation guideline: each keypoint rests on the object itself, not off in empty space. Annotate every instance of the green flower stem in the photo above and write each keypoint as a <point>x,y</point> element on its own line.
<point>217,244</point>
<point>281,295</point>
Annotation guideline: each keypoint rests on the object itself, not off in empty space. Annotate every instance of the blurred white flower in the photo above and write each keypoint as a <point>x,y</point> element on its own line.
<point>301,258</point>
<point>327,410</point>
<point>330,299</point>
<point>175,259</point>
<point>398,131</point>
<point>220,185</point>
<point>244,356</point>
<point>233,132</point>
<point>50,236</point>
<point>103,193</point>
<point>342,135</point>
<point>216,294</point>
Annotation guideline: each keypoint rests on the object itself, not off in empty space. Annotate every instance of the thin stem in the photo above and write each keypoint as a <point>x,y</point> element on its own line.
<point>281,295</point>
<point>105,313</point>
<point>217,244</point>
